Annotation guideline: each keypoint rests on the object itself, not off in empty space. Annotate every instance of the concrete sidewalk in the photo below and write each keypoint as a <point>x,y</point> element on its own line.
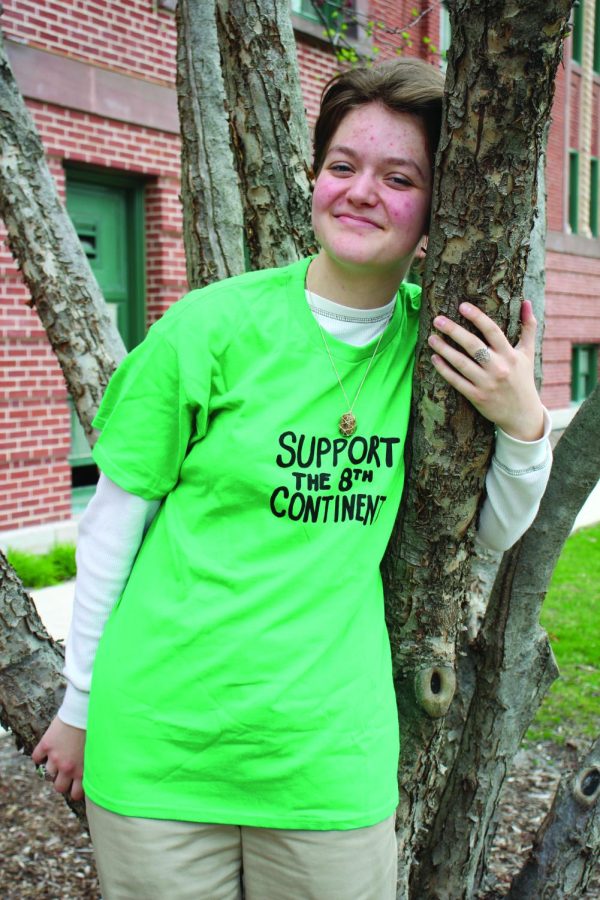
<point>54,604</point>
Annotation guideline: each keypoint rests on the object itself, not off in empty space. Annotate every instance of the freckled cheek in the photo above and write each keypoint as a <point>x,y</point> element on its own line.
<point>325,192</point>
<point>409,211</point>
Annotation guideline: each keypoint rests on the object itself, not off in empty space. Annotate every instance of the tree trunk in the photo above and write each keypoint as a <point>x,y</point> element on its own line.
<point>44,243</point>
<point>245,170</point>
<point>31,684</point>
<point>499,90</point>
<point>512,673</point>
<point>486,562</point>
<point>567,846</point>
<point>270,135</point>
<point>213,220</point>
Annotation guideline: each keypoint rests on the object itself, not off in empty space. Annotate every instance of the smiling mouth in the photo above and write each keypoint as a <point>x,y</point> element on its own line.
<point>357,220</point>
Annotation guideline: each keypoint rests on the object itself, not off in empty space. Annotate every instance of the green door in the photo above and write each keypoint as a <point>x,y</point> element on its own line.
<point>107,212</point>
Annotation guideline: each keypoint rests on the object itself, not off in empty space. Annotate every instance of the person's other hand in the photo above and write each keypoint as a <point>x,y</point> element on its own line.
<point>61,749</point>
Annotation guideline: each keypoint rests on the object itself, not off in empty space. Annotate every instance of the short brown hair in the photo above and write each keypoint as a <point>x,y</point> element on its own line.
<point>402,85</point>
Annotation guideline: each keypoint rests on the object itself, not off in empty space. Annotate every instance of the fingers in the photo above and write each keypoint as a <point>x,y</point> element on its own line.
<point>455,379</point>
<point>77,790</point>
<point>470,342</point>
<point>67,779</point>
<point>494,376</point>
<point>467,365</point>
<point>528,329</point>
<point>39,753</point>
<point>60,754</point>
<point>491,335</point>
<point>65,782</point>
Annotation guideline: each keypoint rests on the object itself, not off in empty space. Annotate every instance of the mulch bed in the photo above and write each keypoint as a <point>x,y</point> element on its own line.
<point>45,853</point>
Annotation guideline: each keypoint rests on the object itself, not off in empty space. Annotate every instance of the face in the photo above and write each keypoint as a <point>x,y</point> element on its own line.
<point>371,198</point>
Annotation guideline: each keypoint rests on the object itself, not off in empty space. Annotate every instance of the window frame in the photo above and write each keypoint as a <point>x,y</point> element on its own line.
<point>594,184</point>
<point>591,376</point>
<point>314,20</point>
<point>577,32</point>
<point>574,191</point>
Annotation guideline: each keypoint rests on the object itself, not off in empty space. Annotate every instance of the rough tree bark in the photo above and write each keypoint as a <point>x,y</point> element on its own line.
<point>30,664</point>
<point>512,675</point>
<point>245,140</point>
<point>31,684</point>
<point>499,90</point>
<point>44,243</point>
<point>569,836</point>
<point>270,134</point>
<point>213,218</point>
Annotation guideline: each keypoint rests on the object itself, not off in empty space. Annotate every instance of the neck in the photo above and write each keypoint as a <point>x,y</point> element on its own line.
<point>359,290</point>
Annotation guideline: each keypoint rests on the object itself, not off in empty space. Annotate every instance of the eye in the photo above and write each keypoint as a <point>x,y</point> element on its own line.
<point>340,168</point>
<point>399,181</point>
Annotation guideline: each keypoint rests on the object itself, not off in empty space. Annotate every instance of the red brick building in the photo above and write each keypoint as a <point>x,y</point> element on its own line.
<point>98,77</point>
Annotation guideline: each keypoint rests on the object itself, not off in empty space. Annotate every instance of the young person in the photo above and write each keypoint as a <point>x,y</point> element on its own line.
<point>242,713</point>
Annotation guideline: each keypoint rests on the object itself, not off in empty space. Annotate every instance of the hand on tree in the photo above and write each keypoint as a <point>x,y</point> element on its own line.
<point>61,749</point>
<point>496,378</point>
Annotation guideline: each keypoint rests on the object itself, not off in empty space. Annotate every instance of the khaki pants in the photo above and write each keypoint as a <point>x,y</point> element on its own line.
<point>153,859</point>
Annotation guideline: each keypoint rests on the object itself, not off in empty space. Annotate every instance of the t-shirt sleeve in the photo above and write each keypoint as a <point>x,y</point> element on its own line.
<point>146,420</point>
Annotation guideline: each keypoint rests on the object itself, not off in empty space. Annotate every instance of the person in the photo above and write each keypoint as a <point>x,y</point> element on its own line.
<point>242,719</point>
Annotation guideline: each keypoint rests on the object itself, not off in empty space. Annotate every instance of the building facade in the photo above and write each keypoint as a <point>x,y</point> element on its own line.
<point>98,77</point>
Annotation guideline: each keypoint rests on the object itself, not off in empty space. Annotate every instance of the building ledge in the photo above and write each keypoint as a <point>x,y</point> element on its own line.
<point>62,81</point>
<point>573,244</point>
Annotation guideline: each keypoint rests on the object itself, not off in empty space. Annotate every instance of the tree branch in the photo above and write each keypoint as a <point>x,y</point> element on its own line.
<point>269,130</point>
<point>566,848</point>
<point>31,683</point>
<point>213,219</point>
<point>44,243</point>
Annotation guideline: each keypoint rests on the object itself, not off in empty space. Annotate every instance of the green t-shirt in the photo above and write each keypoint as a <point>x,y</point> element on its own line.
<point>244,677</point>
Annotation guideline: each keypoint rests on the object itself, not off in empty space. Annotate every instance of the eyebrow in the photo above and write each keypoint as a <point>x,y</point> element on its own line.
<point>389,160</point>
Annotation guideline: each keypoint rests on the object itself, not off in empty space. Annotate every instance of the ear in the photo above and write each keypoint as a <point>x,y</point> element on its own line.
<point>422,248</point>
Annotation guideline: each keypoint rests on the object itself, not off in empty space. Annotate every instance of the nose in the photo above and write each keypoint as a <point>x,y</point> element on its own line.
<point>362,189</point>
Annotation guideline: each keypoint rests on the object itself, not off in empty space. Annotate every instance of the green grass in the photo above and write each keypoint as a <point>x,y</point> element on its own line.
<point>42,570</point>
<point>571,708</point>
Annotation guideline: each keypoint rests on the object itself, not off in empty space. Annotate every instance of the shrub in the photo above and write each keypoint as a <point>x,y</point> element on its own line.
<point>45,569</point>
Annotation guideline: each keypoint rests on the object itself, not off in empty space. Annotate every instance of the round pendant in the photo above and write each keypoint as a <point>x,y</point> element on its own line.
<point>348,423</point>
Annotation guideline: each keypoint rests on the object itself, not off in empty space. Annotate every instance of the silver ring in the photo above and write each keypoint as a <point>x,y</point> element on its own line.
<point>482,356</point>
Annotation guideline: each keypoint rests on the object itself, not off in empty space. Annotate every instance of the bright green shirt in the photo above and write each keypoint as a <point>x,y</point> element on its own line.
<point>244,677</point>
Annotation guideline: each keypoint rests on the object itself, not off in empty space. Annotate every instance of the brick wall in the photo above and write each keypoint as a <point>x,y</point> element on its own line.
<point>132,37</point>
<point>572,317</point>
<point>556,154</point>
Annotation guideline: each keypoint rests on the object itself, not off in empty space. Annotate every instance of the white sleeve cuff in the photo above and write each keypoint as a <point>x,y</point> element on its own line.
<point>519,457</point>
<point>73,710</point>
<point>515,483</point>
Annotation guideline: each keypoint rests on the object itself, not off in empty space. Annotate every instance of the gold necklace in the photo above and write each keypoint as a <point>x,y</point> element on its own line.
<point>347,423</point>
